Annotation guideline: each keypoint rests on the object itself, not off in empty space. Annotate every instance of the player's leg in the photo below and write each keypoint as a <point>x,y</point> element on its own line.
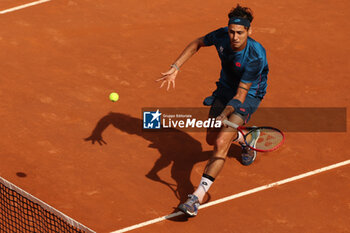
<point>221,147</point>
<point>213,168</point>
<point>218,158</point>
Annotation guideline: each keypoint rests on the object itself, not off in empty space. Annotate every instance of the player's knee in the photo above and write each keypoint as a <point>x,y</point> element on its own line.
<point>221,143</point>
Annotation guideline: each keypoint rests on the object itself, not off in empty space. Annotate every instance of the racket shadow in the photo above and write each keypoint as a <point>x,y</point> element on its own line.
<point>177,149</point>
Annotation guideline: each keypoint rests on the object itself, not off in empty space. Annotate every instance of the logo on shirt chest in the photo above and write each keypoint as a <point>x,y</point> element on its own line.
<point>221,50</point>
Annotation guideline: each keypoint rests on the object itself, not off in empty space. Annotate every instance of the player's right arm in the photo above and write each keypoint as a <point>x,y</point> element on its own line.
<point>170,75</point>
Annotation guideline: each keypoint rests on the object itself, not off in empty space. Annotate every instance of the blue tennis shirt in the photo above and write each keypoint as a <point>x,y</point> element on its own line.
<point>248,65</point>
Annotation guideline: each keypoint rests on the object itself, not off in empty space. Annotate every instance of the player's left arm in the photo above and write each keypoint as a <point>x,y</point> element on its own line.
<point>242,92</point>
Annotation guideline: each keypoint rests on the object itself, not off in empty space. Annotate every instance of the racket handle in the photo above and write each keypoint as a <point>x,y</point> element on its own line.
<point>231,124</point>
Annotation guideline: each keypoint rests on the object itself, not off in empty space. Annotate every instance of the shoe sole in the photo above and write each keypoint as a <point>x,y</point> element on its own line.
<point>183,209</point>
<point>254,141</point>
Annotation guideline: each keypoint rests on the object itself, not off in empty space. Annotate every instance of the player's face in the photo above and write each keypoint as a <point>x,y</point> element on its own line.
<point>238,36</point>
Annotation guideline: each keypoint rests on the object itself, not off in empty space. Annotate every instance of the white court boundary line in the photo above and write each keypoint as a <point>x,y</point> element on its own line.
<point>23,6</point>
<point>225,199</point>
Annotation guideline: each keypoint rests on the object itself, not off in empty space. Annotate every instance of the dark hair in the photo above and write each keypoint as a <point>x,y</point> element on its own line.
<point>240,11</point>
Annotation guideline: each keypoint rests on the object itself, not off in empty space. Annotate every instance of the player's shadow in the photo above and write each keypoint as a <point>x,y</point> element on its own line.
<point>176,148</point>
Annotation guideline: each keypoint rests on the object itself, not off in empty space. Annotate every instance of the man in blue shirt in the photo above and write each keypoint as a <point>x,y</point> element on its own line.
<point>241,87</point>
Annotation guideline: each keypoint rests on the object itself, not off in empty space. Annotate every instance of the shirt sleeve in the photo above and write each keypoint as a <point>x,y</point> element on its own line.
<point>252,71</point>
<point>211,38</point>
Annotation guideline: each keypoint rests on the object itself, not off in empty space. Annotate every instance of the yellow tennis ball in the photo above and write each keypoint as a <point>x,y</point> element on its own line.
<point>114,96</point>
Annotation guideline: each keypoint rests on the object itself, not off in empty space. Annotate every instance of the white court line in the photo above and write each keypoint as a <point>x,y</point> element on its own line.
<point>294,178</point>
<point>23,6</point>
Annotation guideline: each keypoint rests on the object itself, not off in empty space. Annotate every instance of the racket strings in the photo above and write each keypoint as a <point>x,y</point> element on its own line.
<point>269,138</point>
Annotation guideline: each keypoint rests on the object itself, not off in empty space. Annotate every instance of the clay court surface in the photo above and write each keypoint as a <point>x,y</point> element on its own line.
<point>61,59</point>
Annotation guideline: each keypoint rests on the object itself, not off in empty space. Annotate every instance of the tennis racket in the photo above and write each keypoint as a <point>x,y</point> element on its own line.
<point>263,139</point>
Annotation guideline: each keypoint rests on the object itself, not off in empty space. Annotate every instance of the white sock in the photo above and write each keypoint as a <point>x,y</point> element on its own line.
<point>203,187</point>
<point>239,137</point>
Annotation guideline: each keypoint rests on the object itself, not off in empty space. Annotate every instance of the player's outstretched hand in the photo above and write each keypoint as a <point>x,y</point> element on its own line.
<point>168,77</point>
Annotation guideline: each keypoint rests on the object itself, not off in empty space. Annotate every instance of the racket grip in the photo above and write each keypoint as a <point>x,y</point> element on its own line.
<point>231,124</point>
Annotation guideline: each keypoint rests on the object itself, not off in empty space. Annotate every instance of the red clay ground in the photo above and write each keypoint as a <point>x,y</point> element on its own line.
<point>61,59</point>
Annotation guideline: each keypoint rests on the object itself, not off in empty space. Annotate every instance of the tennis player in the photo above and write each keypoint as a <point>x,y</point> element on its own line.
<point>241,87</point>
